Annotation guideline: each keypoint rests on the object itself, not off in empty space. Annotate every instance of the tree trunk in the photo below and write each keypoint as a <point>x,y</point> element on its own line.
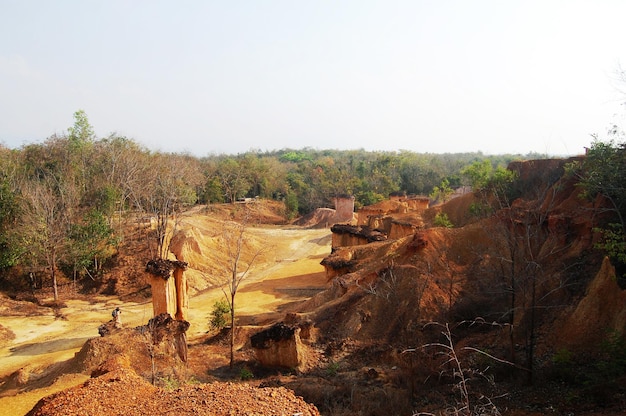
<point>512,314</point>
<point>232,330</point>
<point>54,276</point>
<point>532,334</point>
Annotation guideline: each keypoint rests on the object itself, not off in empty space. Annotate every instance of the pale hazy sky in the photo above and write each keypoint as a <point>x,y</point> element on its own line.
<point>500,76</point>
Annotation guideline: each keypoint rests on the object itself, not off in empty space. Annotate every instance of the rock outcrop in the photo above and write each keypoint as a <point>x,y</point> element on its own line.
<point>600,313</point>
<point>346,235</point>
<point>278,346</point>
<point>162,336</point>
<point>168,295</point>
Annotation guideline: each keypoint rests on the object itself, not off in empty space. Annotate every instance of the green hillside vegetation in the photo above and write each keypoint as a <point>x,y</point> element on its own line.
<point>64,202</point>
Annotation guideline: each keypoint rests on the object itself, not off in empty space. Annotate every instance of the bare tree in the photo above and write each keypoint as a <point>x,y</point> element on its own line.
<point>233,178</point>
<point>239,261</point>
<point>167,187</point>
<point>120,168</point>
<point>529,257</point>
<point>46,225</point>
<point>471,401</point>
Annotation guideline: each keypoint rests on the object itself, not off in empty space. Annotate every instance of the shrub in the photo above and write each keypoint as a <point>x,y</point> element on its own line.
<point>613,361</point>
<point>218,314</point>
<point>563,365</point>
<point>478,209</point>
<point>332,369</point>
<point>169,383</point>
<point>245,374</point>
<point>442,220</point>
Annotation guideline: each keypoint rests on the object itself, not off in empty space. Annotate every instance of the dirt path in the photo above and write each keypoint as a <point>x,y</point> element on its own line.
<point>293,275</point>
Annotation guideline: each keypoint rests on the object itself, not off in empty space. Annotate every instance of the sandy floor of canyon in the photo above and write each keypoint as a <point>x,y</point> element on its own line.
<point>292,273</point>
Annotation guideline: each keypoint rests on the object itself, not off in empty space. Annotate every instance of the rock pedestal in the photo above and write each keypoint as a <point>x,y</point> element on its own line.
<point>168,295</point>
<point>278,346</point>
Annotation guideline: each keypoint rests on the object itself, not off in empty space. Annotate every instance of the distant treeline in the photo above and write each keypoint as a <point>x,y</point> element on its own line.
<point>310,178</point>
<point>60,200</point>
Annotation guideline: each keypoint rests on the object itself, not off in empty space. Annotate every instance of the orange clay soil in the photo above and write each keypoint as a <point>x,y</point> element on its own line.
<point>287,272</point>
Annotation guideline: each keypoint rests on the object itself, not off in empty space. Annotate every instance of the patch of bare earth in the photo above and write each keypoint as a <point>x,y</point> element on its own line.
<point>39,360</point>
<point>122,392</point>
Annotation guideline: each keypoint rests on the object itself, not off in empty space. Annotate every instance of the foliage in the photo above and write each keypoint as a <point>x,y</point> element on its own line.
<point>233,179</point>
<point>332,369</point>
<point>479,209</point>
<point>442,192</point>
<point>48,190</point>
<point>92,241</point>
<point>219,312</point>
<point>291,204</point>
<point>613,242</point>
<point>563,364</point>
<point>213,191</point>
<point>612,363</point>
<point>245,374</point>
<point>442,220</point>
<point>368,198</point>
<point>603,172</point>
<point>562,357</point>
<point>294,156</point>
<point>169,382</point>
<point>9,244</point>
<point>479,174</point>
<point>489,182</point>
<point>82,132</point>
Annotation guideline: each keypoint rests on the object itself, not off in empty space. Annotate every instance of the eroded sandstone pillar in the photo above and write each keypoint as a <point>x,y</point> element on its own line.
<point>160,294</point>
<point>168,295</point>
<point>182,300</point>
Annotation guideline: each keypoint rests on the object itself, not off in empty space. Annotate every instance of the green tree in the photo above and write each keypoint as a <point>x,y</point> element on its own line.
<point>493,185</point>
<point>81,132</point>
<point>442,192</point>
<point>442,220</point>
<point>91,242</point>
<point>80,141</point>
<point>291,204</point>
<point>603,172</point>
<point>213,190</point>
<point>9,213</point>
<point>218,314</point>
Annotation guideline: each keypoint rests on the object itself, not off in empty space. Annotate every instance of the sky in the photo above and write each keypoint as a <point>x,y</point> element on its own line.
<point>210,77</point>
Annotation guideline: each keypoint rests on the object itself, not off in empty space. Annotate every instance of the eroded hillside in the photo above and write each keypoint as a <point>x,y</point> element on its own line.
<point>515,295</point>
<point>519,283</point>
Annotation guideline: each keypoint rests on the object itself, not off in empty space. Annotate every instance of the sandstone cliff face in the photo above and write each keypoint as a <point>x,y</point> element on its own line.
<point>386,290</point>
<point>601,312</point>
<point>400,229</point>
<point>393,207</point>
<point>345,235</point>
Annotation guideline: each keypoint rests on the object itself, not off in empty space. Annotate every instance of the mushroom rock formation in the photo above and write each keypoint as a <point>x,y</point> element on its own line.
<point>168,295</point>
